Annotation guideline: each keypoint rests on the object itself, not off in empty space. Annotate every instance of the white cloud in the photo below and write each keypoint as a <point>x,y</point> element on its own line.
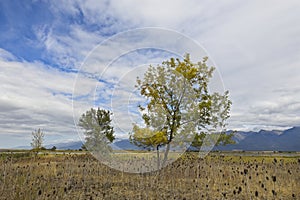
<point>35,96</point>
<point>5,55</point>
<point>255,45</point>
<point>256,49</point>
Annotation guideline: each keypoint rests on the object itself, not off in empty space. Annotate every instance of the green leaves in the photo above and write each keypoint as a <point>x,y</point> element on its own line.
<point>179,102</point>
<point>98,130</point>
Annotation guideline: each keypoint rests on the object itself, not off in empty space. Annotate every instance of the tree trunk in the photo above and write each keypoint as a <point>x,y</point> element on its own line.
<point>158,158</point>
<point>166,154</point>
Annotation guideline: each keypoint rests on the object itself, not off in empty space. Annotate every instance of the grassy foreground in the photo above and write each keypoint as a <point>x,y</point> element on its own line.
<point>217,176</point>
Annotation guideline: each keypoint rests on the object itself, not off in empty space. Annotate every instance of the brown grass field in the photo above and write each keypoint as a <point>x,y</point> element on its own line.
<point>217,176</point>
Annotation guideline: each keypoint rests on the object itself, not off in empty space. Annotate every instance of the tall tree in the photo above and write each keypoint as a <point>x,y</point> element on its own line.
<point>179,103</point>
<point>98,130</point>
<point>37,139</point>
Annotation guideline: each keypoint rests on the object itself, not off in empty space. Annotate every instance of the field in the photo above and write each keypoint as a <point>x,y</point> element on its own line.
<point>217,176</point>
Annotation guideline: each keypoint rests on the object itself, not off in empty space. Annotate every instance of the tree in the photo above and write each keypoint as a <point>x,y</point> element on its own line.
<point>98,131</point>
<point>179,104</point>
<point>37,139</point>
<point>83,147</point>
<point>53,148</point>
<point>147,138</point>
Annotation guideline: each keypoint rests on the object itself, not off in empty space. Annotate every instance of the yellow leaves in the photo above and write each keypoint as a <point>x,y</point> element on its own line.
<point>177,92</point>
<point>187,70</point>
<point>192,73</point>
<point>148,137</point>
<point>160,137</point>
<point>172,62</point>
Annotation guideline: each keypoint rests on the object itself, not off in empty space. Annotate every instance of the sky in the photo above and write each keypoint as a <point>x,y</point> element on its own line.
<point>59,58</point>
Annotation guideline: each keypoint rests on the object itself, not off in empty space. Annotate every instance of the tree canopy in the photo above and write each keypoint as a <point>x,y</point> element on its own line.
<point>179,104</point>
<point>145,137</point>
<point>37,139</point>
<point>98,130</point>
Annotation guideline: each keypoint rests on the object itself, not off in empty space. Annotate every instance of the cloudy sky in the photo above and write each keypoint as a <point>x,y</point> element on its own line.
<point>51,51</point>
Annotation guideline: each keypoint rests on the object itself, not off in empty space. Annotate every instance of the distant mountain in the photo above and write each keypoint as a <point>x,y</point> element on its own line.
<point>125,144</point>
<point>66,145</point>
<point>63,146</point>
<point>22,147</point>
<point>288,140</point>
<point>120,144</point>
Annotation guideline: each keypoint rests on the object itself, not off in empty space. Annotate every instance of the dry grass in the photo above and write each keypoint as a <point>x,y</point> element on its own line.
<point>214,177</point>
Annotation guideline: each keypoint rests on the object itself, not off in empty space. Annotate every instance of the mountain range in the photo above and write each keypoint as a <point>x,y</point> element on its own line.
<point>287,140</point>
<point>263,140</point>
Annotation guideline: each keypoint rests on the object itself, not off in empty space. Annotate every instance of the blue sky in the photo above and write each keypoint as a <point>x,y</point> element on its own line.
<point>44,44</point>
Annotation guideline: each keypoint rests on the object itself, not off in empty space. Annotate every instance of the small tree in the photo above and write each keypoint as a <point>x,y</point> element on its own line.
<point>37,139</point>
<point>83,147</point>
<point>98,131</point>
<point>53,148</point>
<point>147,138</point>
<point>179,103</point>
